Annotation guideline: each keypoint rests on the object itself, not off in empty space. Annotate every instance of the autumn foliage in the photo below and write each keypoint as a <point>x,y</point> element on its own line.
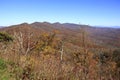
<point>34,55</point>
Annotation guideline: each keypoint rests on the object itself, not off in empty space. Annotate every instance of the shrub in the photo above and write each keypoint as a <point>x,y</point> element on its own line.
<point>2,64</point>
<point>5,37</point>
<point>116,55</point>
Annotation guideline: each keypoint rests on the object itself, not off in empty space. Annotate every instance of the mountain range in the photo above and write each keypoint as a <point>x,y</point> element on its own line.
<point>96,36</point>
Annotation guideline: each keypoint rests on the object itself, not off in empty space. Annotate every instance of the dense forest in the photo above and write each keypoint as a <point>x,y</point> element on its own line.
<point>46,51</point>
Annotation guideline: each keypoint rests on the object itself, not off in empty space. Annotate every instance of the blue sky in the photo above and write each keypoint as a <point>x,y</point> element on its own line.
<point>91,12</point>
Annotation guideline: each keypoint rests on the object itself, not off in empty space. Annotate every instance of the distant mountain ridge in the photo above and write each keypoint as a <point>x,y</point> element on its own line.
<point>2,26</point>
<point>102,36</point>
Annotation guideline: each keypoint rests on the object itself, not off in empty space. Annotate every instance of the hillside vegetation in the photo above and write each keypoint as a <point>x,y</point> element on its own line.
<point>45,51</point>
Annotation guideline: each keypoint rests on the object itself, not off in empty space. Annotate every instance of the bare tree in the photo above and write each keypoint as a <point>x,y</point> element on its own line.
<point>84,37</point>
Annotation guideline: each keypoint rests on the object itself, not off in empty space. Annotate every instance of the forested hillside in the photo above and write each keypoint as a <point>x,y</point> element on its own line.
<point>55,51</point>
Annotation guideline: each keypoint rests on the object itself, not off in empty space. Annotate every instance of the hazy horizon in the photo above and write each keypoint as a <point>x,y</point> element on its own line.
<point>101,26</point>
